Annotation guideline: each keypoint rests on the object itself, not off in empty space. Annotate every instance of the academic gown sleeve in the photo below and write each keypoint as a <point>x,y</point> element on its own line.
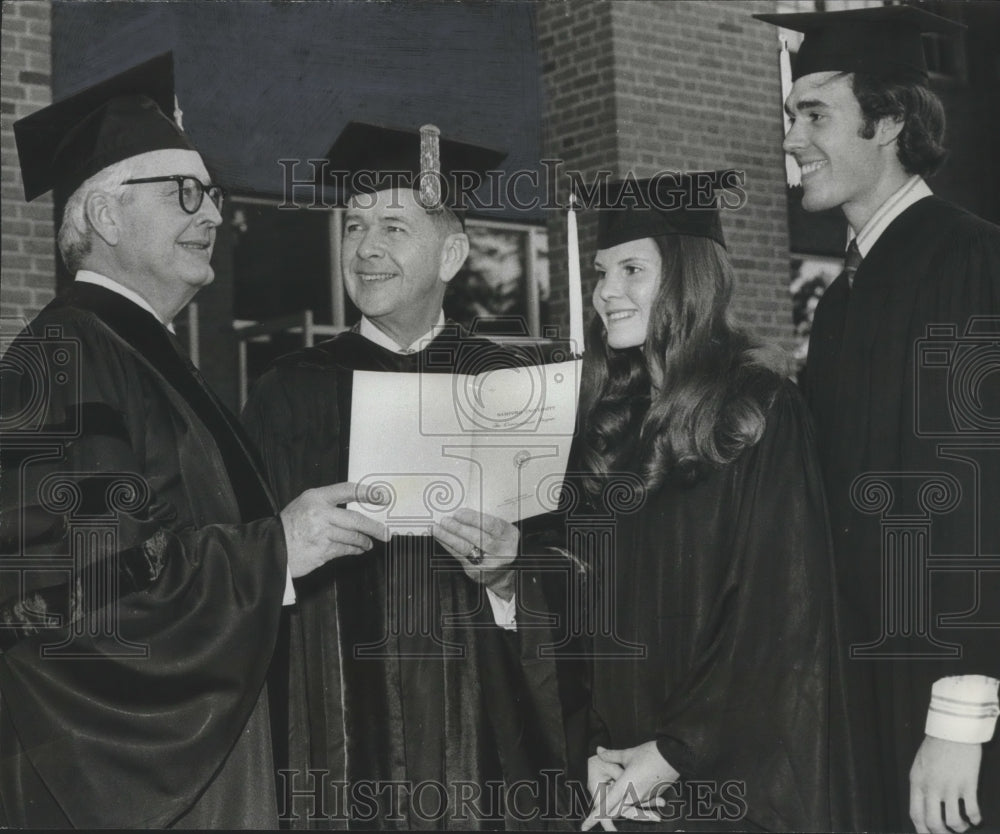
<point>132,724</point>
<point>755,708</point>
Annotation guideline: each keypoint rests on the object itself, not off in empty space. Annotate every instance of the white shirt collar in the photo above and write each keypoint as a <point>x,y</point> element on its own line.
<point>373,334</point>
<point>915,189</point>
<point>85,276</point>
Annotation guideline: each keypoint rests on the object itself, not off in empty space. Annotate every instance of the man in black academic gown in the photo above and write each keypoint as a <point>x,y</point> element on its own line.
<point>905,393</point>
<point>144,563</point>
<point>418,698</point>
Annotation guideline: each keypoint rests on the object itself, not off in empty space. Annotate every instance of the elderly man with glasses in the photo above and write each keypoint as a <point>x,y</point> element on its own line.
<point>143,563</point>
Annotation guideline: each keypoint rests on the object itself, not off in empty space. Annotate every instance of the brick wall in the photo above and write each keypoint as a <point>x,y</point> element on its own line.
<point>578,76</point>
<point>644,86</point>
<point>27,237</point>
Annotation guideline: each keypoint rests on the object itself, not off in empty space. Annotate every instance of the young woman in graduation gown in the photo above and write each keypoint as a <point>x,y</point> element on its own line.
<point>713,690</point>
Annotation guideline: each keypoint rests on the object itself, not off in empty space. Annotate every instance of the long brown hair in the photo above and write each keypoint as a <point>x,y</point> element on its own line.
<point>714,384</point>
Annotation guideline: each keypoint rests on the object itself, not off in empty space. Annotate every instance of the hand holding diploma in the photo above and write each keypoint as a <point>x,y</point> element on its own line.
<point>317,530</point>
<point>484,545</point>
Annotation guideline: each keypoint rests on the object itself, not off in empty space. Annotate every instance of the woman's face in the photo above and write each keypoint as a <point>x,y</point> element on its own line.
<point>628,278</point>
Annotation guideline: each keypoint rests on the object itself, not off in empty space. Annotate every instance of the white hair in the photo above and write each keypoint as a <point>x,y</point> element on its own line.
<point>75,233</point>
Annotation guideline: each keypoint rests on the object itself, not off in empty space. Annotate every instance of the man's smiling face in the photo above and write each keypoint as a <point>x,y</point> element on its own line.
<point>392,259</point>
<point>161,244</point>
<point>839,167</point>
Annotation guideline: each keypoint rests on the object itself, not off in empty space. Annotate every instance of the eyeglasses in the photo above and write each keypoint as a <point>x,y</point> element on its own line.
<point>190,191</point>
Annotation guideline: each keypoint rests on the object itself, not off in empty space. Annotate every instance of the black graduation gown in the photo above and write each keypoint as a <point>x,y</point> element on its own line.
<point>403,689</point>
<point>724,590</point>
<point>103,735</point>
<point>882,404</point>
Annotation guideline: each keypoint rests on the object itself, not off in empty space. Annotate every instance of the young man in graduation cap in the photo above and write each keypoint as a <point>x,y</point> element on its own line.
<point>131,693</point>
<point>419,693</point>
<point>889,384</point>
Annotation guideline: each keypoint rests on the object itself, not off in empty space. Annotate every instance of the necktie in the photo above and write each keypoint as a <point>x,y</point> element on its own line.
<point>852,260</point>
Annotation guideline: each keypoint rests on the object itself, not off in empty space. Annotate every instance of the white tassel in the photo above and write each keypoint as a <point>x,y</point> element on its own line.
<point>793,174</point>
<point>575,280</point>
<point>178,114</point>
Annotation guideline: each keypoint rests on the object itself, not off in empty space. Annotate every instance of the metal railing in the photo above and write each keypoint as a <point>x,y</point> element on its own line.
<point>263,331</point>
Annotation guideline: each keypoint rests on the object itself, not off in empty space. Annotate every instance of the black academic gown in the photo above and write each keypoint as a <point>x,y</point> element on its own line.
<point>406,697</point>
<point>114,450</point>
<point>888,400</point>
<point>719,645</point>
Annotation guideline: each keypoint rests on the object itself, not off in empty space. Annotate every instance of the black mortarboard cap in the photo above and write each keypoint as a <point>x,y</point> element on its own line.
<point>372,157</point>
<point>62,145</point>
<point>672,203</point>
<point>879,41</point>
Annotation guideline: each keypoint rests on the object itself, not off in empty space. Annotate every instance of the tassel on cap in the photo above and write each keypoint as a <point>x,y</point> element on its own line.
<point>430,167</point>
<point>793,174</point>
<point>62,145</point>
<point>575,280</point>
<point>878,40</point>
<point>373,158</point>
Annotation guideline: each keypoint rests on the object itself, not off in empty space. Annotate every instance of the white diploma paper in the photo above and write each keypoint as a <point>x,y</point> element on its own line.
<point>497,442</point>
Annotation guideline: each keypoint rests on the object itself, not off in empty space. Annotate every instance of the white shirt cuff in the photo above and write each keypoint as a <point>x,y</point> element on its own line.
<point>289,598</point>
<point>963,708</point>
<point>504,611</point>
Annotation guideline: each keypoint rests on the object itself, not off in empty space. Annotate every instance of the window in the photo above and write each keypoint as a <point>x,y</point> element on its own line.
<point>503,289</point>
